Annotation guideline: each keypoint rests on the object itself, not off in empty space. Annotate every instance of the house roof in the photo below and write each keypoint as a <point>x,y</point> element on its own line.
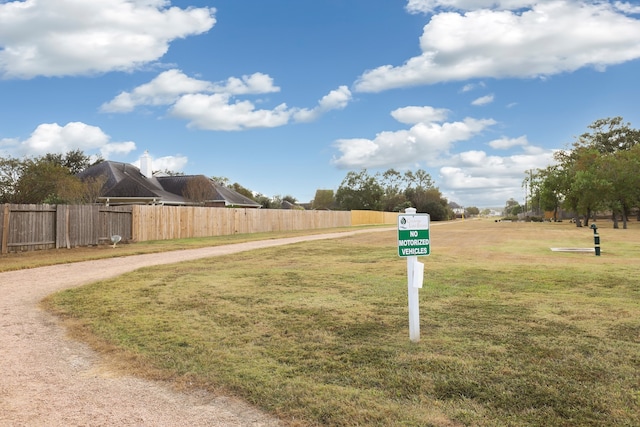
<point>126,184</point>
<point>219,193</point>
<point>288,205</point>
<point>233,197</point>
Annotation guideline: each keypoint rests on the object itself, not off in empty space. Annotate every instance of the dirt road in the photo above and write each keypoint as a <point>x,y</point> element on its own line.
<point>47,379</point>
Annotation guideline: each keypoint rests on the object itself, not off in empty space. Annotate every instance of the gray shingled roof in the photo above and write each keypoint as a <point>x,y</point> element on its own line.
<point>126,181</point>
<point>232,197</point>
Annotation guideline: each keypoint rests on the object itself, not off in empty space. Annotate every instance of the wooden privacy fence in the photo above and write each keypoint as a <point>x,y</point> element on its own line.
<point>180,222</point>
<point>87,225</point>
<point>28,227</point>
<point>373,217</point>
<point>36,227</point>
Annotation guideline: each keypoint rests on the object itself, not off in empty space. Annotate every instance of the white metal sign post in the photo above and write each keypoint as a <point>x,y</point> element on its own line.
<point>413,241</point>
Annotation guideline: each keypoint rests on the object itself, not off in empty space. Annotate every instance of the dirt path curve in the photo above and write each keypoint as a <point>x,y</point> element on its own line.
<point>47,379</point>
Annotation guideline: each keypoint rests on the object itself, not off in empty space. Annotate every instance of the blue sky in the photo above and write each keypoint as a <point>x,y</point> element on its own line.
<point>287,96</point>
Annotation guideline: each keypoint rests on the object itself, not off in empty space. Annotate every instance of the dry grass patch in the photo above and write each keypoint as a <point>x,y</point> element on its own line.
<point>317,333</point>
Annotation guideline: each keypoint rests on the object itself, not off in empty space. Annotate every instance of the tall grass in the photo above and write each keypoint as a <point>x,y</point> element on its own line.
<point>317,333</point>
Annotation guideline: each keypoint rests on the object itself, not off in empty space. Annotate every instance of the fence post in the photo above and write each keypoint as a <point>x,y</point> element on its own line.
<point>5,229</point>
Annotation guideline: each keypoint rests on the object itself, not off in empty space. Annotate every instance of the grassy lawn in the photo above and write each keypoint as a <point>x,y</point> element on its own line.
<point>22,260</point>
<point>316,333</point>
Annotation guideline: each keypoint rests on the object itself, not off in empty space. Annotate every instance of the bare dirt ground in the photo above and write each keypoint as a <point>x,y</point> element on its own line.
<point>47,379</point>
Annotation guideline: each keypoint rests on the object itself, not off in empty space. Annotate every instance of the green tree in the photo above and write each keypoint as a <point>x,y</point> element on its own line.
<point>359,190</point>
<point>430,200</point>
<point>222,180</point>
<point>584,188</point>
<point>609,135</point>
<point>324,199</point>
<point>69,190</point>
<point>435,205</point>
<point>75,161</point>
<point>546,186</point>
<point>620,171</point>
<point>393,199</point>
<point>512,207</point>
<point>10,173</point>
<point>419,179</point>
<point>472,211</point>
<point>275,202</point>
<point>264,201</point>
<point>392,191</point>
<point>242,190</point>
<point>47,179</point>
<point>423,195</point>
<point>289,198</point>
<point>516,210</point>
<point>44,181</point>
<point>93,188</point>
<point>593,170</point>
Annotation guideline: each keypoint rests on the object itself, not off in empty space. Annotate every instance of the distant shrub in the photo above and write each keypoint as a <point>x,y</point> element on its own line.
<point>534,219</point>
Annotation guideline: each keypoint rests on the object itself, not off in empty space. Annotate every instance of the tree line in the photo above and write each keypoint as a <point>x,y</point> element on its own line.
<point>389,191</point>
<point>600,172</point>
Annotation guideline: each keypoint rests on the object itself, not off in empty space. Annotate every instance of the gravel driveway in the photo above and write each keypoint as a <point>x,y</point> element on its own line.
<point>47,379</point>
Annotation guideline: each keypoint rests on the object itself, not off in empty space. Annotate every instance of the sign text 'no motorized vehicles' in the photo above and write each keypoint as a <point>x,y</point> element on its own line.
<point>413,235</point>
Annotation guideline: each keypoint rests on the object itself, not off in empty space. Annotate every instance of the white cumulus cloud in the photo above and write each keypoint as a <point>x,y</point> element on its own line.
<point>170,85</point>
<point>165,89</point>
<point>65,38</point>
<point>429,6</point>
<point>216,106</point>
<point>256,83</point>
<point>489,180</point>
<point>506,143</point>
<point>166,163</point>
<point>122,148</point>
<point>627,7</point>
<point>425,140</point>
<point>413,114</point>
<point>483,100</point>
<point>335,100</point>
<point>217,112</point>
<point>471,86</point>
<point>53,138</point>
<point>546,38</point>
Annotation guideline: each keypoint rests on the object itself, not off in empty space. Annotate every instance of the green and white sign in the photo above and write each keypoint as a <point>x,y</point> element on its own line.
<point>413,235</point>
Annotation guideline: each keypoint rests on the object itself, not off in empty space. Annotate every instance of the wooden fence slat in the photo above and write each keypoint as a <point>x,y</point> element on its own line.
<point>63,227</point>
<point>5,228</point>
